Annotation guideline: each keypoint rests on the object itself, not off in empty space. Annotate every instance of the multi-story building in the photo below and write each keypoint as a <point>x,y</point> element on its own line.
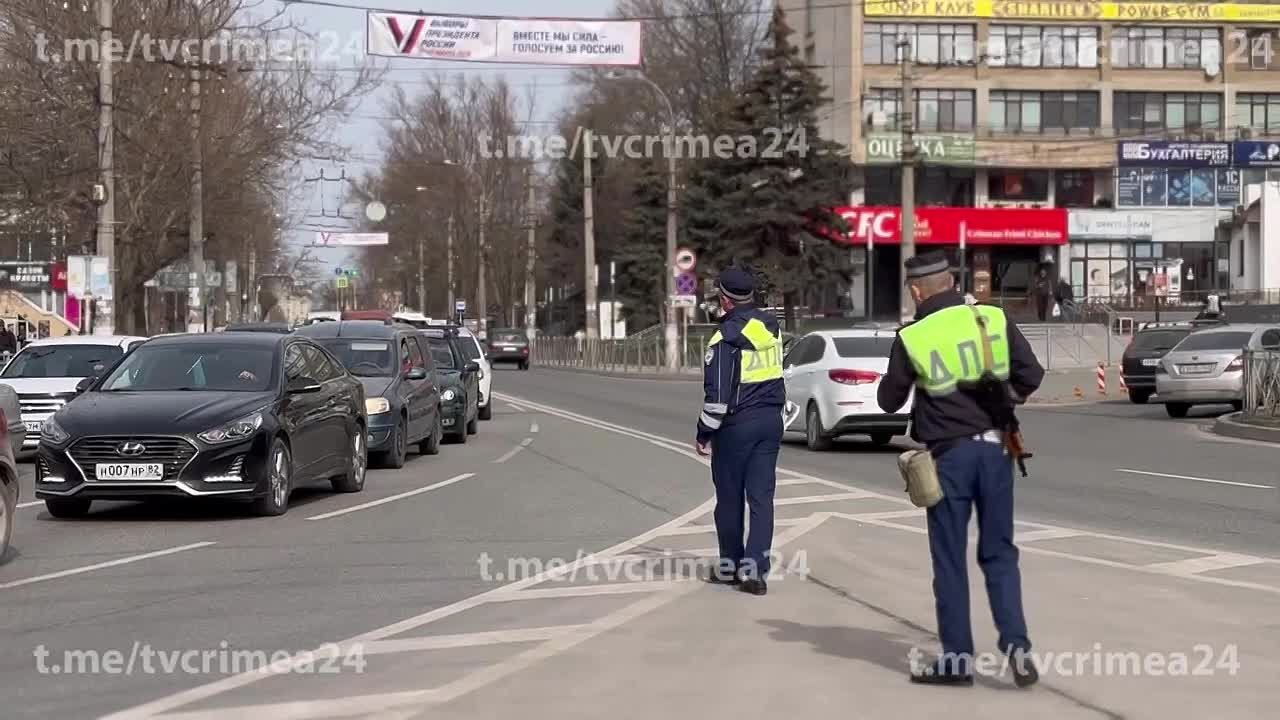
<point>1106,142</point>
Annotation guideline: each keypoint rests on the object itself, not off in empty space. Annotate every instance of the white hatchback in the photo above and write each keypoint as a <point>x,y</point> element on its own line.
<point>832,376</point>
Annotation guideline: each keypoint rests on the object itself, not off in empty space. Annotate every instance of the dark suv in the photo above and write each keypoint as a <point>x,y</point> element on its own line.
<point>402,392</point>
<point>1142,357</point>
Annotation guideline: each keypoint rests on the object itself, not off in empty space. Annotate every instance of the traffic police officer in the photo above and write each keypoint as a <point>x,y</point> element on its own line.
<point>741,428</point>
<point>941,356</point>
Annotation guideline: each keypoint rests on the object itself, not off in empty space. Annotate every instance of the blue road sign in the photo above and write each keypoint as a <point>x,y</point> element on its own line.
<point>686,283</point>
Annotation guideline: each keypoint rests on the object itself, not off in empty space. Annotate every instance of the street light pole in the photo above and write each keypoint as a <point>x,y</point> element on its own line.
<point>106,235</point>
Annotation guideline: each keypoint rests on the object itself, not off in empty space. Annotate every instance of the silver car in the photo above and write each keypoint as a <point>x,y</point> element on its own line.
<point>1207,367</point>
<point>12,435</point>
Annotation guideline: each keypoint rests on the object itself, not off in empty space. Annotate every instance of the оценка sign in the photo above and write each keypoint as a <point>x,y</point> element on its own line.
<point>931,148</point>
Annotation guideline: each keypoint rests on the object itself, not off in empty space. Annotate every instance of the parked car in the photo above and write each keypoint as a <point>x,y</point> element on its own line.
<point>45,373</point>
<point>509,346</point>
<point>239,416</point>
<point>474,351</point>
<point>13,434</point>
<point>394,364</point>
<point>832,377</point>
<point>459,381</point>
<point>267,327</point>
<point>1142,357</point>
<point>1207,366</point>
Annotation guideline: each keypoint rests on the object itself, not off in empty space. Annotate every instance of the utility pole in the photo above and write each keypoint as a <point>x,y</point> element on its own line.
<point>196,314</point>
<point>449,275</point>
<point>530,296</point>
<point>106,236</point>
<point>422,283</point>
<point>589,241</point>
<point>482,299</point>
<point>908,209</point>
<point>673,362</point>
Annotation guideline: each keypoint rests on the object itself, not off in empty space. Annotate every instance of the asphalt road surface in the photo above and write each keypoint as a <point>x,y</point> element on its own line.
<point>135,609</point>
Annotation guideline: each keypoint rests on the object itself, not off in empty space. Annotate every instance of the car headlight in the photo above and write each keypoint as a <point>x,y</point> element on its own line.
<point>448,395</point>
<point>377,406</point>
<point>53,432</point>
<point>232,431</point>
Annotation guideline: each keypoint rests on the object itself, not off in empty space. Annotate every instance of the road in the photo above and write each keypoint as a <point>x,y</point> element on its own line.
<point>440,579</point>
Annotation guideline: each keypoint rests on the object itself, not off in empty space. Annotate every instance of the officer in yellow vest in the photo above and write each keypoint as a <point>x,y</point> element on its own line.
<point>941,355</point>
<point>741,428</point>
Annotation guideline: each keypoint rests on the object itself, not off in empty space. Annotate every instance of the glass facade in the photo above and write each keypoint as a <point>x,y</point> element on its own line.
<point>1133,273</point>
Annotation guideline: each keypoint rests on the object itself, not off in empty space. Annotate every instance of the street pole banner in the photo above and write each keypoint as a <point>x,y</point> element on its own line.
<point>504,40</point>
<point>336,239</point>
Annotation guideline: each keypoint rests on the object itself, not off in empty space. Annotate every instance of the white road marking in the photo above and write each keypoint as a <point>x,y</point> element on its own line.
<point>533,427</point>
<point>517,408</point>
<point>102,565</point>
<point>1045,534</point>
<point>393,498</point>
<point>855,495</point>
<point>590,590</point>
<point>1206,564</point>
<point>475,639</point>
<point>33,503</point>
<point>512,453</point>
<point>1197,479</point>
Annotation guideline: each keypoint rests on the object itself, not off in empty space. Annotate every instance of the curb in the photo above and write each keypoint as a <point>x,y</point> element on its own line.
<point>1230,426</point>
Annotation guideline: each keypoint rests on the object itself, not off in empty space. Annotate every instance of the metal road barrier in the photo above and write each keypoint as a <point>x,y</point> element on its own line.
<point>1261,384</point>
<point>639,355</point>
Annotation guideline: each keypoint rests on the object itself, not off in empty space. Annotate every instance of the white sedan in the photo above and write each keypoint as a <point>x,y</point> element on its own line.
<point>832,377</point>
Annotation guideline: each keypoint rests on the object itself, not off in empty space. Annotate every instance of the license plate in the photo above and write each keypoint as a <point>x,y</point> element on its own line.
<point>1196,369</point>
<point>508,349</point>
<point>1151,362</point>
<point>446,421</point>
<point>129,471</point>
<point>33,426</point>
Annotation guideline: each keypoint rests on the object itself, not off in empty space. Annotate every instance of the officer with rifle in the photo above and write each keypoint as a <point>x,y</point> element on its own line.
<point>969,366</point>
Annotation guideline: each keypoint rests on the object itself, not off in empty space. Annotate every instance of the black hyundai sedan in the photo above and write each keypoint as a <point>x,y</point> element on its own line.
<point>241,416</point>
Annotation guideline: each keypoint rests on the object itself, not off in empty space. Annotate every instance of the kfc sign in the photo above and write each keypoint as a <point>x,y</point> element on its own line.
<point>946,226</point>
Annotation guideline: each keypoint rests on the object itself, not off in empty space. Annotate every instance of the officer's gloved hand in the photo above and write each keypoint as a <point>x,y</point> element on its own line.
<point>790,412</point>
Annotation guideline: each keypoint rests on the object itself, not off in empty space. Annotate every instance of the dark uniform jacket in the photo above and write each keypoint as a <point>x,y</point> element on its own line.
<point>726,399</point>
<point>935,420</point>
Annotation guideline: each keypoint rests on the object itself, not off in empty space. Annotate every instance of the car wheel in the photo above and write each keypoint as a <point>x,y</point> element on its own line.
<point>279,476</point>
<point>473,427</point>
<point>881,438</point>
<point>1176,409</point>
<point>431,446</point>
<point>1237,405</point>
<point>67,507</point>
<point>353,480</point>
<point>8,506</point>
<point>524,365</point>
<point>394,458</point>
<point>1139,397</point>
<point>486,412</point>
<point>814,435</point>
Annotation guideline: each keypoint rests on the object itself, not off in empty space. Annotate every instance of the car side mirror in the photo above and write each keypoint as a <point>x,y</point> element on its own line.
<point>303,385</point>
<point>417,373</point>
<point>85,384</point>
<point>472,366</point>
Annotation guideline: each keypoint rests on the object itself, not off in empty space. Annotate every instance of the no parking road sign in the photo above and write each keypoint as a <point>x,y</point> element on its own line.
<point>686,284</point>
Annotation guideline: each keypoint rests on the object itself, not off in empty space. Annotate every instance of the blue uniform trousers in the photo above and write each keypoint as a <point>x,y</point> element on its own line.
<point>744,461</point>
<point>976,473</point>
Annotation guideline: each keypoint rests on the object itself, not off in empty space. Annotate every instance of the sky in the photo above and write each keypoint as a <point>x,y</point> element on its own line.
<point>362,134</point>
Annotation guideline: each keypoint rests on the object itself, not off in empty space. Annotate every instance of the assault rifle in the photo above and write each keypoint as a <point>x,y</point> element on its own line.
<point>998,400</point>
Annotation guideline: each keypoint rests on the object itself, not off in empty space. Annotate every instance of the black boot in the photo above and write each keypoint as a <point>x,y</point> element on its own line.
<point>1024,669</point>
<point>722,574</point>
<point>754,586</point>
<point>943,672</point>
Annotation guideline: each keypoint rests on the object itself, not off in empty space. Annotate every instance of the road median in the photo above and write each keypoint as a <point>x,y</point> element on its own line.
<point>1237,426</point>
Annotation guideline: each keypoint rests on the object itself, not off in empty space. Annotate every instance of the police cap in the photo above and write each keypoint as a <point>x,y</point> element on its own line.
<point>737,285</point>
<point>930,263</point>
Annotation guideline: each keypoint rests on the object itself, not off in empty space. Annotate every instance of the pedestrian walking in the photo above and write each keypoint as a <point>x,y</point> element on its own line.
<point>943,356</point>
<point>8,341</point>
<point>740,427</point>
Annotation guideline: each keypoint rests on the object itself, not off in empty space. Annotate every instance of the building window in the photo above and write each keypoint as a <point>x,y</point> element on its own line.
<point>1018,185</point>
<point>1136,113</point>
<point>1035,112</point>
<point>1259,112</point>
<point>929,44</point>
<point>935,185</point>
<point>1173,48</point>
<point>1042,46</point>
<point>936,110</point>
<point>1073,188</point>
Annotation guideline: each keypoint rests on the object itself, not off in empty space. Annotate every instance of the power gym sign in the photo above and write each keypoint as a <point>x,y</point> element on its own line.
<point>931,148</point>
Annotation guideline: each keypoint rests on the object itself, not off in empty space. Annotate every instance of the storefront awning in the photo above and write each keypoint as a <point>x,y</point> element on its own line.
<point>945,226</point>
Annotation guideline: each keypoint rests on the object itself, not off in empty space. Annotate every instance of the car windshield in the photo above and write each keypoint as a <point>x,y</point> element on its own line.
<point>863,347</point>
<point>1155,340</point>
<point>1215,341</point>
<point>441,353</point>
<point>470,348</point>
<point>194,367</point>
<point>363,358</point>
<point>76,361</point>
<point>508,337</point>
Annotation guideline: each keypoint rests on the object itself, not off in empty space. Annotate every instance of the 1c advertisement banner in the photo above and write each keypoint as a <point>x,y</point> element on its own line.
<point>504,40</point>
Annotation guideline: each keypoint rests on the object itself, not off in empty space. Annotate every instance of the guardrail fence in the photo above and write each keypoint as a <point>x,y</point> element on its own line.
<point>1261,384</point>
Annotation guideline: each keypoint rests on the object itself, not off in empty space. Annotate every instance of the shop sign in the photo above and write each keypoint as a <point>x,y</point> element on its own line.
<point>25,276</point>
<point>1108,224</point>
<point>931,148</point>
<point>944,225</point>
<point>1077,10</point>
<point>1139,153</point>
<point>1250,153</point>
<point>1160,188</point>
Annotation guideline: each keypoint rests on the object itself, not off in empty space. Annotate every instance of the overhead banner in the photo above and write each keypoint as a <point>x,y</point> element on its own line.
<point>504,40</point>
<point>336,239</point>
<point>1075,10</point>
